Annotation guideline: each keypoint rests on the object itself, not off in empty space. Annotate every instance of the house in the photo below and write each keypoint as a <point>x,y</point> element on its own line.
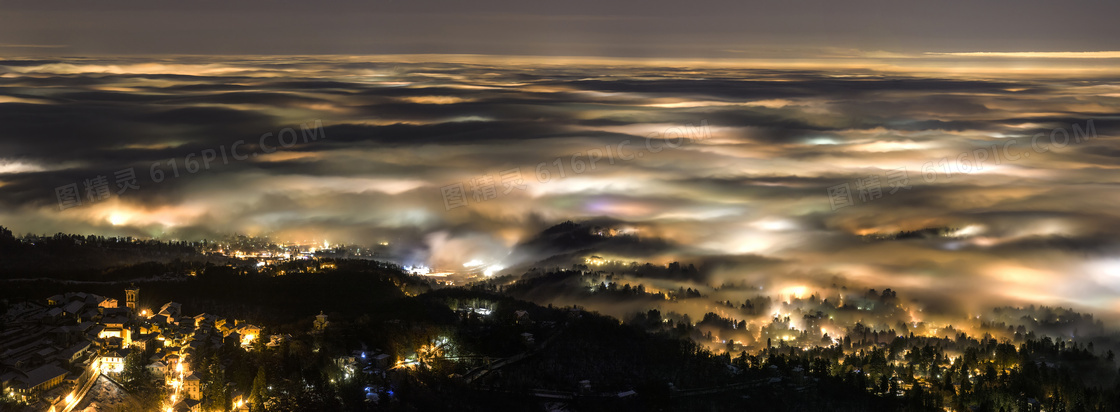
<point>89,313</point>
<point>84,326</point>
<point>55,300</point>
<point>248,333</point>
<point>171,310</point>
<point>113,361</point>
<point>275,340</point>
<point>187,405</point>
<point>204,318</point>
<point>238,400</point>
<point>233,339</point>
<point>192,386</point>
<point>104,302</point>
<point>114,328</point>
<point>75,352</point>
<point>116,313</point>
<point>55,313</point>
<point>73,308</point>
<point>523,318</point>
<point>157,368</point>
<point>9,379</point>
<point>222,324</point>
<point>93,332</point>
<point>142,340</point>
<point>40,379</point>
<point>113,343</point>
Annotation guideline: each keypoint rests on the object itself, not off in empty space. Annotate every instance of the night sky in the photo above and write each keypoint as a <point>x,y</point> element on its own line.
<point>659,29</point>
<point>806,130</point>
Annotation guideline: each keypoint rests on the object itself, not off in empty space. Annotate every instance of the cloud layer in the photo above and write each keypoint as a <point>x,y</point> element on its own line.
<point>805,170</point>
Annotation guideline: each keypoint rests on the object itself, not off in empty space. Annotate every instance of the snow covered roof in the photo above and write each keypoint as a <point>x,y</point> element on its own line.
<point>74,307</point>
<point>42,374</point>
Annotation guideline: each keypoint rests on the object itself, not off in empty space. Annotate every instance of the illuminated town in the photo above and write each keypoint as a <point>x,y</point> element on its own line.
<point>80,350</point>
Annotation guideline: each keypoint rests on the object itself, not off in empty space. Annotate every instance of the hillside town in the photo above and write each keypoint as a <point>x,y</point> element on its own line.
<point>54,351</point>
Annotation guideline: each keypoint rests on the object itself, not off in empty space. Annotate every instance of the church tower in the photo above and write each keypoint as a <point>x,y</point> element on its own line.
<point>321,322</point>
<point>131,295</point>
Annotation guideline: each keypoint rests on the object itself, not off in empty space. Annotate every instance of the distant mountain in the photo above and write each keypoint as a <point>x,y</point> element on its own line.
<point>569,241</point>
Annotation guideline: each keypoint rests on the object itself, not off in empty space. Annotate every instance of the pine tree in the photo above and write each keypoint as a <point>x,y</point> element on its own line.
<point>258,394</point>
<point>139,382</point>
<point>214,386</point>
<point>134,373</point>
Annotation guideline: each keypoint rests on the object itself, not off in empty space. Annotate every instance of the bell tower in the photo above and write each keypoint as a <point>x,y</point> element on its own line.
<point>131,295</point>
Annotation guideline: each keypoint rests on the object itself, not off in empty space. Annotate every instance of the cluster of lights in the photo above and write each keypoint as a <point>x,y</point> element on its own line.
<point>417,270</point>
<point>597,261</point>
<point>491,270</point>
<point>487,271</point>
<point>482,311</point>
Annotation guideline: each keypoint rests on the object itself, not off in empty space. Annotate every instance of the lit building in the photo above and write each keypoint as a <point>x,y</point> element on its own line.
<point>131,296</point>
<point>40,379</point>
<point>113,361</point>
<point>321,322</point>
<point>192,386</point>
